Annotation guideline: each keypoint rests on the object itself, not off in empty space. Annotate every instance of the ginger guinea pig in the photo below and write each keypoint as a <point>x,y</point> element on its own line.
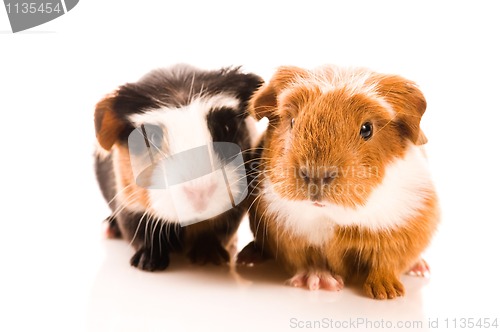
<point>171,162</point>
<point>343,189</point>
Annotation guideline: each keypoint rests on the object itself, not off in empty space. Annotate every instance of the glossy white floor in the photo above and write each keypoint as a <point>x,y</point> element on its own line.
<point>59,274</point>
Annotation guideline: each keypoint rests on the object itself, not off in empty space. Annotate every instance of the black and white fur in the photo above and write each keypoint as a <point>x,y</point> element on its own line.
<point>191,107</point>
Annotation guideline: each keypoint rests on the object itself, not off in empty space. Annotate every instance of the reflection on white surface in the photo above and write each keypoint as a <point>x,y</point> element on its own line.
<point>187,297</point>
<point>91,286</point>
<point>196,297</point>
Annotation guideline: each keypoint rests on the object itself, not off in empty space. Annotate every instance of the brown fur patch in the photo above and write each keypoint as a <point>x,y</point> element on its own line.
<point>107,124</point>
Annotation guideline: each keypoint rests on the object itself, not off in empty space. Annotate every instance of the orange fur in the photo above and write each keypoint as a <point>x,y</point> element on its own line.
<point>131,193</point>
<point>328,107</point>
<point>107,125</point>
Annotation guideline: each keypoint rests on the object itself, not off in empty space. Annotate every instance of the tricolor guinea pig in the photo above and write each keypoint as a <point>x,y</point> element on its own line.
<point>171,162</point>
<point>343,189</point>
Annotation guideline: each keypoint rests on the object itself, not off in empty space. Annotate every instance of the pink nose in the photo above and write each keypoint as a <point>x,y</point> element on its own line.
<point>199,196</point>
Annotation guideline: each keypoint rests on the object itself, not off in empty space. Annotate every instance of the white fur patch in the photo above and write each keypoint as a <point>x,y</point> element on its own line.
<point>186,128</point>
<point>255,129</point>
<point>353,80</point>
<point>384,104</point>
<point>100,152</point>
<point>400,196</point>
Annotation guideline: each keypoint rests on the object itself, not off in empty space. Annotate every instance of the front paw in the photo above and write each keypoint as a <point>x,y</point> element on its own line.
<point>111,229</point>
<point>314,280</point>
<point>208,250</point>
<point>251,255</point>
<point>383,287</point>
<point>148,260</point>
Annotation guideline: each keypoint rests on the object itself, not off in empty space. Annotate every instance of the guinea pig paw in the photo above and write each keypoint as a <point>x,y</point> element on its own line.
<point>148,260</point>
<point>250,255</point>
<point>381,289</point>
<point>420,269</point>
<point>111,229</point>
<point>204,252</point>
<point>298,280</point>
<point>314,280</point>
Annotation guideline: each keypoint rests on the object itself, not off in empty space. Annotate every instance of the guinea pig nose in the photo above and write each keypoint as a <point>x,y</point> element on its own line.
<point>200,195</point>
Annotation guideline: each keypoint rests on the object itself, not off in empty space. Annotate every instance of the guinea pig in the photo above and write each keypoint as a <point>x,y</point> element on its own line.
<point>170,162</point>
<point>343,190</point>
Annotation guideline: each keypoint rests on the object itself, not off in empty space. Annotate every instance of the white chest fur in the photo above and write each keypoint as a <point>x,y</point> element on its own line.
<point>400,196</point>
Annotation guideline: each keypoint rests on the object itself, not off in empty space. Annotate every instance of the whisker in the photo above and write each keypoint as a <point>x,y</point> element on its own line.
<point>123,205</point>
<point>119,193</point>
<point>190,96</point>
<point>153,235</point>
<point>137,228</point>
<point>161,234</point>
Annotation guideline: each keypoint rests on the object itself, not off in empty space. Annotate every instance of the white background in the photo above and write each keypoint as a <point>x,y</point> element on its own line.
<point>57,273</point>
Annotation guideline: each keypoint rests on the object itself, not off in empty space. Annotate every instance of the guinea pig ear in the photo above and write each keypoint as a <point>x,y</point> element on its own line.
<point>422,139</point>
<point>409,104</point>
<point>107,125</point>
<point>265,100</point>
<point>247,85</point>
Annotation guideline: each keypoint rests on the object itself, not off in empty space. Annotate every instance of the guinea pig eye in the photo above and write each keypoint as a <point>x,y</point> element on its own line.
<point>366,131</point>
<point>145,137</point>
<point>292,123</point>
<point>154,135</point>
<point>228,130</point>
